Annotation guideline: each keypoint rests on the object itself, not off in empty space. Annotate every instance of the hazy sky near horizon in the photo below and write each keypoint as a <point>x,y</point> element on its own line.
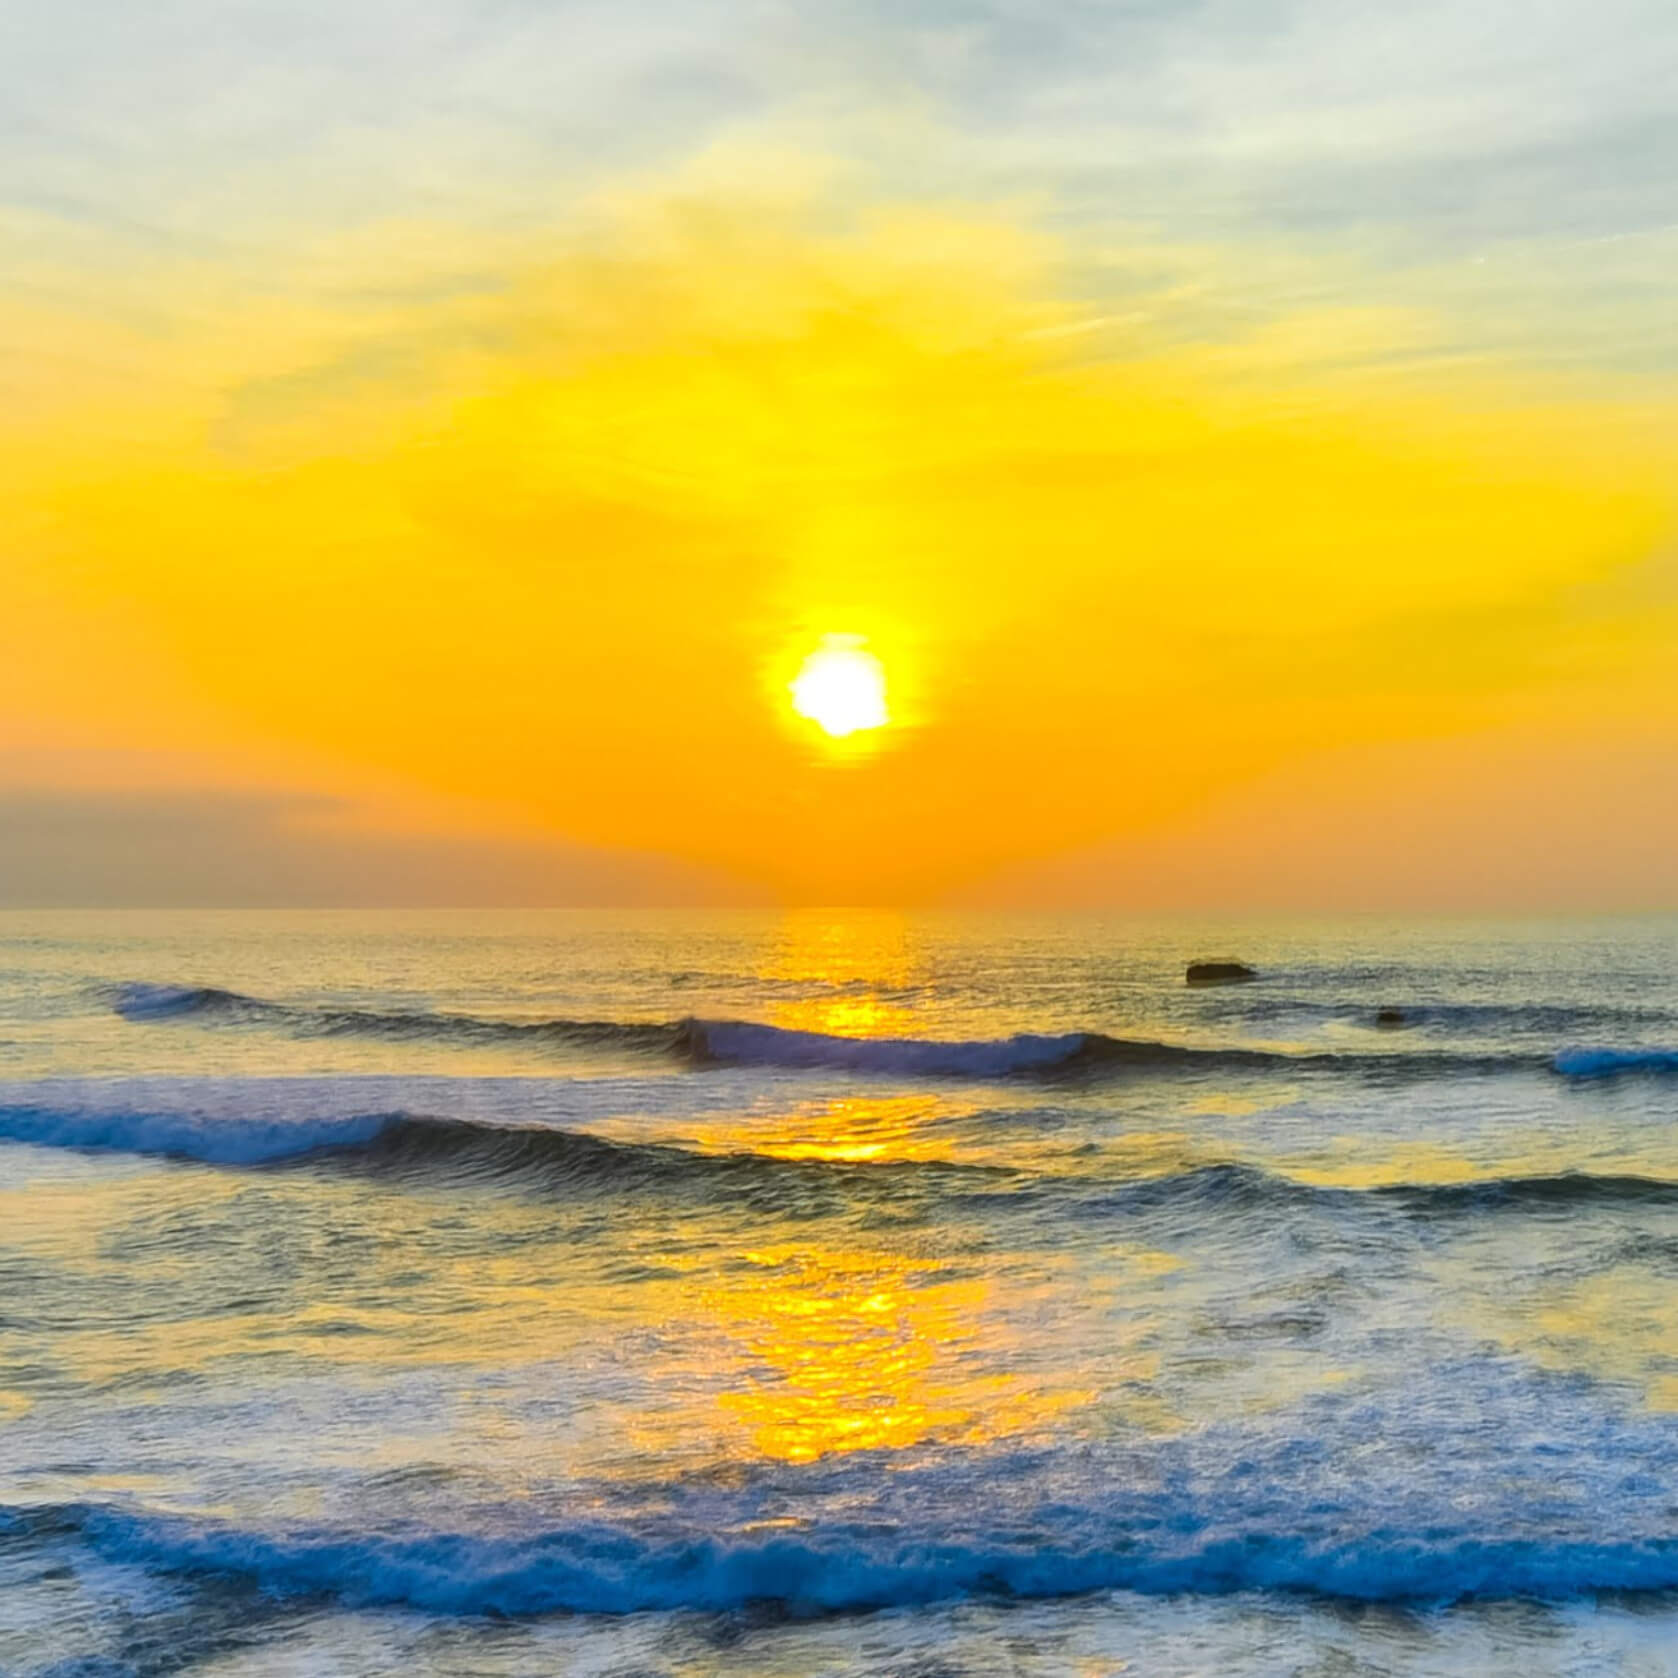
<point>1245,432</point>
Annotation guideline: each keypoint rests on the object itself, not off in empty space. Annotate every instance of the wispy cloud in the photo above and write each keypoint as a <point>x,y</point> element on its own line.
<point>215,848</point>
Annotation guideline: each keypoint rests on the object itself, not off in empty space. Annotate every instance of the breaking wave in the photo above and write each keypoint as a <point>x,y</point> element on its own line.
<point>700,1043</point>
<point>1610,1063</point>
<point>549,1158</point>
<point>460,1151</point>
<point>605,1567</point>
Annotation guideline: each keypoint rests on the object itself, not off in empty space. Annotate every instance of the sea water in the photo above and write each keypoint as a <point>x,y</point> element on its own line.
<point>835,1293</point>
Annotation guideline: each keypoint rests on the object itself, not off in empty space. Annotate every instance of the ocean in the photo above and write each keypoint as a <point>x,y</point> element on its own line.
<point>724,1293</point>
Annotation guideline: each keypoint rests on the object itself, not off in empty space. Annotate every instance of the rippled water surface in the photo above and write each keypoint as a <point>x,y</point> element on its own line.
<point>854,1293</point>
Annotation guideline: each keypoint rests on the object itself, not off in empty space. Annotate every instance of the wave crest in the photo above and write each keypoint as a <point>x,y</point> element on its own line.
<point>547,1158</point>
<point>1611,1063</point>
<point>606,1568</point>
<point>147,1003</point>
<point>746,1043</point>
<point>207,1138</point>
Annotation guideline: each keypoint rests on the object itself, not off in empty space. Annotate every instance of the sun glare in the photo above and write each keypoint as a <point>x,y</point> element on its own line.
<point>841,688</point>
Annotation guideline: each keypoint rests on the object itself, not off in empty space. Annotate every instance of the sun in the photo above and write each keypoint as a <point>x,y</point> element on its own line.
<point>841,688</point>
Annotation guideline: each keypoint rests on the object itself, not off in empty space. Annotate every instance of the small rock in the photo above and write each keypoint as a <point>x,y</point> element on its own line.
<point>1220,972</point>
<point>1390,1017</point>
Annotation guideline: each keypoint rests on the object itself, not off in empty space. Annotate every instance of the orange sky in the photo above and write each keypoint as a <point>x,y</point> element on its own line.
<point>442,528</point>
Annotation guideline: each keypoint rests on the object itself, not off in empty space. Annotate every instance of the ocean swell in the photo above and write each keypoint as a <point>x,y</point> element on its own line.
<point>212,1139</point>
<point>208,1004</point>
<point>1611,1063</point>
<point>548,1158</point>
<point>606,1568</point>
<point>741,1043</point>
<point>537,1158</point>
<point>745,1043</point>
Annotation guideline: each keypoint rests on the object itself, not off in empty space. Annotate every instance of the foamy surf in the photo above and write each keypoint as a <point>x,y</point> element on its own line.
<point>604,1567</point>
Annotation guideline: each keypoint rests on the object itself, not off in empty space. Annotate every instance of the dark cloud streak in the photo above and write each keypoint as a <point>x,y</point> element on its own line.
<point>206,849</point>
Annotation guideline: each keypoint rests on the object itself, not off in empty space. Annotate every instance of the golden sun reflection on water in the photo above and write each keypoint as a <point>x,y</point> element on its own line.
<point>850,1129</point>
<point>846,1348</point>
<point>843,975</point>
<point>866,1350</point>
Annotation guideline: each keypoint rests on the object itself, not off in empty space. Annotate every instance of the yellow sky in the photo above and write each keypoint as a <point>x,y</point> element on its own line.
<point>527,532</point>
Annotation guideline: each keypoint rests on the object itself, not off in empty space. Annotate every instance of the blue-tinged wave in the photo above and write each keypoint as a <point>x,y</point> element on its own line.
<point>742,1043</point>
<point>1612,1063</point>
<point>700,1043</point>
<point>538,1158</point>
<point>212,1139</point>
<point>599,1567</point>
<point>545,1157</point>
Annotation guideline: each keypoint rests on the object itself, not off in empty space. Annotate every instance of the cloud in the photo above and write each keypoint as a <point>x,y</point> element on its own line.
<point>1486,161</point>
<point>210,849</point>
<point>1521,116</point>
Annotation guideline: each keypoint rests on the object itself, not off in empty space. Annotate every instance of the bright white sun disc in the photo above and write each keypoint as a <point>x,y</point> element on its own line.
<point>841,687</point>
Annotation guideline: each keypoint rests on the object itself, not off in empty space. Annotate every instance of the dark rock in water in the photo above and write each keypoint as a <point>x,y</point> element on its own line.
<point>1220,972</point>
<point>1390,1017</point>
